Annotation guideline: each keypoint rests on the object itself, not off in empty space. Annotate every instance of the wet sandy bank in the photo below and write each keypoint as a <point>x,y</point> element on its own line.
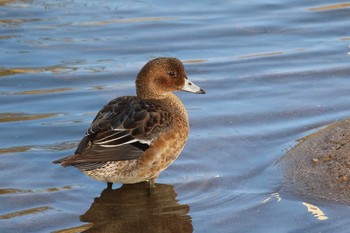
<point>318,167</point>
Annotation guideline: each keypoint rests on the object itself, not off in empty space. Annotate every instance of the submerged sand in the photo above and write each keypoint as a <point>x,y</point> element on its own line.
<point>318,167</point>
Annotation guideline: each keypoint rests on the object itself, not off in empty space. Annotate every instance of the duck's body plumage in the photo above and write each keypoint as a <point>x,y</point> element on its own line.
<point>134,138</point>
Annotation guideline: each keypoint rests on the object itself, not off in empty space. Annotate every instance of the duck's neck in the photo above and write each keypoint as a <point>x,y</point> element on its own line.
<point>169,100</point>
<point>176,105</point>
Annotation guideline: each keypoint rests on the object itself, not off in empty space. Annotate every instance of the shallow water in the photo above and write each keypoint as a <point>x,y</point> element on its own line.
<point>273,71</point>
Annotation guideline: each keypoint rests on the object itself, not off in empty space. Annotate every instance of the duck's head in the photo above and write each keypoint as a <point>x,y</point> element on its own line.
<point>162,76</point>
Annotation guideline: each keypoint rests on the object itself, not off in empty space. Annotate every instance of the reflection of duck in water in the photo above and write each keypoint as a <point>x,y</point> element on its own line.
<point>131,208</point>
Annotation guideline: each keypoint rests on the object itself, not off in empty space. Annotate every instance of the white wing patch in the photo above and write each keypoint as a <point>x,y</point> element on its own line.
<point>107,141</point>
<point>115,145</point>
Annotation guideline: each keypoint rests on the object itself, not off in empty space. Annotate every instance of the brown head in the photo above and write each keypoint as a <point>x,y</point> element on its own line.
<point>162,76</point>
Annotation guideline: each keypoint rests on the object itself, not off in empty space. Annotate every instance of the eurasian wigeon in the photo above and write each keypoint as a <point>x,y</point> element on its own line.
<point>134,138</point>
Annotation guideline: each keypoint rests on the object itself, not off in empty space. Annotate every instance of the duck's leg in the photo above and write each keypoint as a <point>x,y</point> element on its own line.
<point>150,186</point>
<point>109,185</point>
<point>151,182</point>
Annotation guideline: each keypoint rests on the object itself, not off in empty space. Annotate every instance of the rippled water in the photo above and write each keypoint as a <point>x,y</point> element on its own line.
<point>274,71</point>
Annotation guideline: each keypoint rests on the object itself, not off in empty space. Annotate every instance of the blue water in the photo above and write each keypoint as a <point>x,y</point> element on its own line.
<point>274,71</point>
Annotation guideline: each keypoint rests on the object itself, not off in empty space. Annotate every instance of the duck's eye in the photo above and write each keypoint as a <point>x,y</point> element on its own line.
<point>172,73</point>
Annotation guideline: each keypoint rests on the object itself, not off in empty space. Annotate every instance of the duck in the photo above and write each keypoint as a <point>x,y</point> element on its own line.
<point>134,138</point>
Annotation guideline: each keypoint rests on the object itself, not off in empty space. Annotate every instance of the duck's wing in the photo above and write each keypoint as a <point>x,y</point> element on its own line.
<point>123,130</point>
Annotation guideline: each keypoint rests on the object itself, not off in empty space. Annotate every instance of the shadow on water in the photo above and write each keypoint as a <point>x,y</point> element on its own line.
<point>134,208</point>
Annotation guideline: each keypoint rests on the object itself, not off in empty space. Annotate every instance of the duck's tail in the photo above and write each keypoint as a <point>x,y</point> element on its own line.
<point>62,161</point>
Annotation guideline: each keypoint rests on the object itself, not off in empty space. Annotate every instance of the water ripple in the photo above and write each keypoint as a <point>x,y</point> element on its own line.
<point>124,20</point>
<point>43,91</point>
<point>21,116</point>
<point>330,7</point>
<point>61,146</point>
<point>27,70</point>
<point>22,191</point>
<point>24,212</point>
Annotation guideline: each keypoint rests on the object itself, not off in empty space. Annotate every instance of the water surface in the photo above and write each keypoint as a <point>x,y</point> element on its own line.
<point>274,71</point>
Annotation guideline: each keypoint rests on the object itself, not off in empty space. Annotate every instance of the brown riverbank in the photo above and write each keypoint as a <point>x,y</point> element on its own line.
<point>318,166</point>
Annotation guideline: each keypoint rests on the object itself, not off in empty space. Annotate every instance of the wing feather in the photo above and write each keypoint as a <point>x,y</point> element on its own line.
<point>122,130</point>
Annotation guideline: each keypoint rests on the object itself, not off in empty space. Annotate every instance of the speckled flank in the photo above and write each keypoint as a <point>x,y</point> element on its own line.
<point>116,171</point>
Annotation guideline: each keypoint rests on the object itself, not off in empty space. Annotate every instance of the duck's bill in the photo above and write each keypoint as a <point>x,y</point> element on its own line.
<point>191,87</point>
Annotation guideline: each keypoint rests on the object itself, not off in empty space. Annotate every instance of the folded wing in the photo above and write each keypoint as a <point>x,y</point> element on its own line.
<point>123,130</point>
